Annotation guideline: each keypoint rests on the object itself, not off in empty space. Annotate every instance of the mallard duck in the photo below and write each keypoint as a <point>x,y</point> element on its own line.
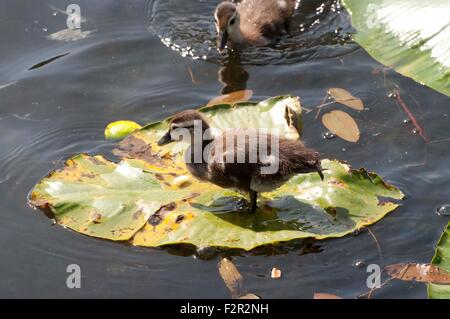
<point>234,159</point>
<point>254,22</point>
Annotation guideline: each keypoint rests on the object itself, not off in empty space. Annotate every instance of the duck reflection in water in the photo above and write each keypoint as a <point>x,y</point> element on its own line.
<point>231,73</point>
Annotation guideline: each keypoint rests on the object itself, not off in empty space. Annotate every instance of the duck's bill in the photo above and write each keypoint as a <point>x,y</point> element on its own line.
<point>166,139</point>
<point>223,39</point>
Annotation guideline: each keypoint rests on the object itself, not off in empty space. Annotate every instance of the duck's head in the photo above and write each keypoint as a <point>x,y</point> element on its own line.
<point>186,124</point>
<point>226,18</point>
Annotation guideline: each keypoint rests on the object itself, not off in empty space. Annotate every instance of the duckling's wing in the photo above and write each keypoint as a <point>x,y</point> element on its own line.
<point>230,163</point>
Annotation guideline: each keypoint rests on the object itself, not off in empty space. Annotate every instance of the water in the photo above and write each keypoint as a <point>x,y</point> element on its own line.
<point>118,68</point>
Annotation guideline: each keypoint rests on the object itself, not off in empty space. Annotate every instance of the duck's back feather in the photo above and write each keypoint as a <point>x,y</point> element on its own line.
<point>235,161</point>
<point>263,20</point>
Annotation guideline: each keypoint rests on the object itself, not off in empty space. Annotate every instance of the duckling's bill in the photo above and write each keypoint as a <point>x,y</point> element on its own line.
<point>223,39</point>
<point>165,139</point>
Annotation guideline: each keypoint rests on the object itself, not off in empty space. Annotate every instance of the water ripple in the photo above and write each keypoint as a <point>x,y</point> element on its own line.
<point>318,31</point>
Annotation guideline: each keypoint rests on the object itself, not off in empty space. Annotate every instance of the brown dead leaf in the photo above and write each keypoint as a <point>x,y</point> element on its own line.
<point>238,96</point>
<point>418,272</point>
<point>231,276</point>
<point>276,273</point>
<point>344,97</point>
<point>319,295</point>
<point>342,124</point>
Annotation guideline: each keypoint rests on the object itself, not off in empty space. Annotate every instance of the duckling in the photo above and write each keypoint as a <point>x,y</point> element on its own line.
<point>254,22</point>
<point>247,169</point>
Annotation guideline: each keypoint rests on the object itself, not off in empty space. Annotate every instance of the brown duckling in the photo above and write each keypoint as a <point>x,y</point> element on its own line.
<point>246,159</point>
<point>252,22</point>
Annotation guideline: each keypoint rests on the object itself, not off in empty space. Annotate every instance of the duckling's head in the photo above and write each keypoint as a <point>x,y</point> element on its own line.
<point>226,18</point>
<point>189,122</point>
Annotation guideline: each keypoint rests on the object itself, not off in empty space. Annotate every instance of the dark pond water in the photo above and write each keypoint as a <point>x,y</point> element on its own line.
<point>123,70</point>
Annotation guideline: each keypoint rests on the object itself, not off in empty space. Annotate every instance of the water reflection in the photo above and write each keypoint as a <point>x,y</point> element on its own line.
<point>232,74</point>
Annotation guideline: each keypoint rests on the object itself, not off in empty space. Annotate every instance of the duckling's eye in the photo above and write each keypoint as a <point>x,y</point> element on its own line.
<point>232,21</point>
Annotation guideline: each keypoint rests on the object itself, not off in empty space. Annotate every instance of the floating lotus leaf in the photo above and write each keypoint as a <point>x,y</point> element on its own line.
<point>442,260</point>
<point>150,199</point>
<point>412,36</point>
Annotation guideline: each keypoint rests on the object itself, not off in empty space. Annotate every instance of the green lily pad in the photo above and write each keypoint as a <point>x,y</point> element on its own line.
<point>98,198</point>
<point>411,36</point>
<point>442,260</point>
<point>149,199</point>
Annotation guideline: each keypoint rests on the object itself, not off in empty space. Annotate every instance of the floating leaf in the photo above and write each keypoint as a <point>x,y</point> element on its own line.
<point>418,272</point>
<point>137,200</point>
<point>410,35</point>
<point>231,277</point>
<point>233,280</point>
<point>441,259</point>
<point>238,96</point>
<point>341,124</point>
<point>120,129</point>
<point>344,97</point>
<point>319,295</point>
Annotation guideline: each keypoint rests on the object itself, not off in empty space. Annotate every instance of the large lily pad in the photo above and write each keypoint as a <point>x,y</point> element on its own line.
<point>150,199</point>
<point>442,260</point>
<point>413,36</point>
<point>98,198</point>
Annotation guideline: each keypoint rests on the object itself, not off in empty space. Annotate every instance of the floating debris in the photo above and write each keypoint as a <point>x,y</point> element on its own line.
<point>418,272</point>
<point>359,264</point>
<point>120,129</point>
<point>342,124</point>
<point>275,273</point>
<point>346,98</point>
<point>443,210</point>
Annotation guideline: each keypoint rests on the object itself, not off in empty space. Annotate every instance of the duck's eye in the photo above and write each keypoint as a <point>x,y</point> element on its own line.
<point>232,21</point>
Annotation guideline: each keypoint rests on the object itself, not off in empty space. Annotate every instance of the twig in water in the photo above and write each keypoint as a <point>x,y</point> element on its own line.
<point>440,140</point>
<point>410,115</point>
<point>322,104</point>
<point>306,110</point>
<point>191,74</point>
<point>376,242</point>
<point>379,252</point>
